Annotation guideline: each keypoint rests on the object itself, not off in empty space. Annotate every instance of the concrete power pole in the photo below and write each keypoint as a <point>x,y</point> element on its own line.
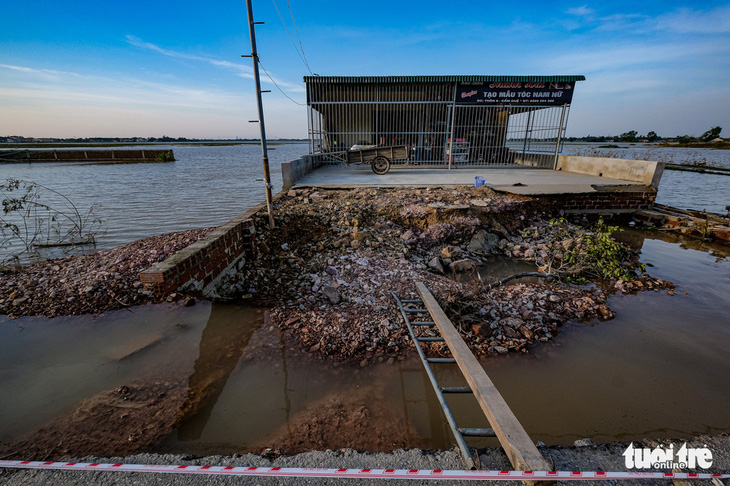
<point>255,57</point>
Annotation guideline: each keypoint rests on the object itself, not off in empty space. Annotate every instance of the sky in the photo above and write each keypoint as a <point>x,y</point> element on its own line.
<point>155,68</point>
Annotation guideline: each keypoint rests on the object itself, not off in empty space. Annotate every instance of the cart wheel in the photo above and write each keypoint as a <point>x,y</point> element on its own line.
<point>380,165</point>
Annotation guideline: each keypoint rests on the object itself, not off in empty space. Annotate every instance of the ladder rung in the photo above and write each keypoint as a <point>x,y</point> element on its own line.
<point>430,339</point>
<point>424,323</point>
<point>441,360</point>
<point>455,389</point>
<point>471,432</point>
<point>416,310</point>
<point>419,301</point>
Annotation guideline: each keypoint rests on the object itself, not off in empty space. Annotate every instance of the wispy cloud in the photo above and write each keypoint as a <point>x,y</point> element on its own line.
<point>582,11</point>
<point>49,74</point>
<point>616,57</point>
<point>238,69</point>
<point>684,21</point>
<point>688,21</point>
<point>47,85</point>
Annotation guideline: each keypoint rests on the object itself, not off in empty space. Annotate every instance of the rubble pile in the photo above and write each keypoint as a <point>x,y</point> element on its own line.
<point>89,284</point>
<point>330,267</point>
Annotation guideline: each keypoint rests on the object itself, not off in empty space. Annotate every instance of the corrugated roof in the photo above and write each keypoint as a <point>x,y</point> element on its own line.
<point>443,79</point>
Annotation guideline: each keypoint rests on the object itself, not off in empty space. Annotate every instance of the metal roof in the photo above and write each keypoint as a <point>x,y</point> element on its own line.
<point>442,79</point>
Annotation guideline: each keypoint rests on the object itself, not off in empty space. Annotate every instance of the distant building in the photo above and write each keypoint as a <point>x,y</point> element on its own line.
<point>464,120</point>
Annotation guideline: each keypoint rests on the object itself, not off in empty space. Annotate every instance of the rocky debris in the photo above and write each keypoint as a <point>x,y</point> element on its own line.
<point>579,251</point>
<point>331,293</point>
<point>514,317</point>
<point>464,265</point>
<point>337,259</point>
<point>435,264</point>
<point>451,252</point>
<point>90,284</point>
<point>645,282</point>
<point>483,242</point>
<point>584,443</point>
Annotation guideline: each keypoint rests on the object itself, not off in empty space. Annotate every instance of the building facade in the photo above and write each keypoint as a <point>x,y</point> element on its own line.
<point>441,120</point>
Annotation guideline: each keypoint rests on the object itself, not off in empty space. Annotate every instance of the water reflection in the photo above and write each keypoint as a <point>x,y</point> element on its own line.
<point>597,379</point>
<point>279,396</point>
<point>222,343</point>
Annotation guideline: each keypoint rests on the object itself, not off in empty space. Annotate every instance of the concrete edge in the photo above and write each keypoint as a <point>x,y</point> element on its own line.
<point>646,172</point>
<point>294,170</point>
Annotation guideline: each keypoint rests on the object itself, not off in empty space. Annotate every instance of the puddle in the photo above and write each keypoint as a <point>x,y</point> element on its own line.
<point>659,369</point>
<point>495,268</point>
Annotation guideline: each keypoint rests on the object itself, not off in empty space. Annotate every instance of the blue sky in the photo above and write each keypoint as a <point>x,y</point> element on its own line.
<point>73,68</point>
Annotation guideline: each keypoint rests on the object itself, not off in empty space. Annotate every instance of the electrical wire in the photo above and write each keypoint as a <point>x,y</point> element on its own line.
<point>301,54</point>
<point>296,31</point>
<point>277,86</point>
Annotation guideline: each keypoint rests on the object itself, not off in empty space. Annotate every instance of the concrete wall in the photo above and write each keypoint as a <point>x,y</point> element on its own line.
<point>543,161</point>
<point>197,267</point>
<point>296,169</point>
<point>644,171</point>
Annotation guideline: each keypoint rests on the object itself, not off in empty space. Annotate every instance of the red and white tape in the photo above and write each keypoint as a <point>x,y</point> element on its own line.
<point>434,474</point>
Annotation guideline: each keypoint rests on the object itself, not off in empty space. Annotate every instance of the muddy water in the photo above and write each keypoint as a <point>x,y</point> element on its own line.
<point>47,366</point>
<point>659,369</point>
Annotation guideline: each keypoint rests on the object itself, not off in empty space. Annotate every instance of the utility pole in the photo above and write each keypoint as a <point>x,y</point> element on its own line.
<point>255,57</point>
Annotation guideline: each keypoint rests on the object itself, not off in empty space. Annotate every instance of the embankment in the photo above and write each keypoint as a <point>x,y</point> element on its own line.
<point>93,156</point>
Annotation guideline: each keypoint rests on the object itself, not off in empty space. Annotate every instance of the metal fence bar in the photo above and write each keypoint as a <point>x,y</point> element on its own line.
<point>434,128</point>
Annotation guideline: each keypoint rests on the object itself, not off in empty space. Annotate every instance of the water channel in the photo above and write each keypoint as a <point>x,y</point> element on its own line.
<point>659,369</point>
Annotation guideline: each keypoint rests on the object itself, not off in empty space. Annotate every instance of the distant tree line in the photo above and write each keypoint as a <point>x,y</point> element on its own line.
<point>633,136</point>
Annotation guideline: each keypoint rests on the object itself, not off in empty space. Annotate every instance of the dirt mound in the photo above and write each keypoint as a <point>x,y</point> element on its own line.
<point>127,420</point>
<point>359,422</point>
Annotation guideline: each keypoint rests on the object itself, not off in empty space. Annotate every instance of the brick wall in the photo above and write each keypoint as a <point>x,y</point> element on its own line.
<point>603,202</point>
<point>194,268</point>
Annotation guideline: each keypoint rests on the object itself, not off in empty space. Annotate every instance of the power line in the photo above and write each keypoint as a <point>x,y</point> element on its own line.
<point>288,2</point>
<point>277,86</point>
<point>301,54</point>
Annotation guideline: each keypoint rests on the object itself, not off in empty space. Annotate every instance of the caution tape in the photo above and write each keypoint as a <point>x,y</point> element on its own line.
<point>434,474</point>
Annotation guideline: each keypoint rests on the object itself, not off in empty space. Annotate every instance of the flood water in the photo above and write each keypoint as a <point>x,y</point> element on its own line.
<point>205,186</point>
<point>659,369</point>
<point>693,190</point>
